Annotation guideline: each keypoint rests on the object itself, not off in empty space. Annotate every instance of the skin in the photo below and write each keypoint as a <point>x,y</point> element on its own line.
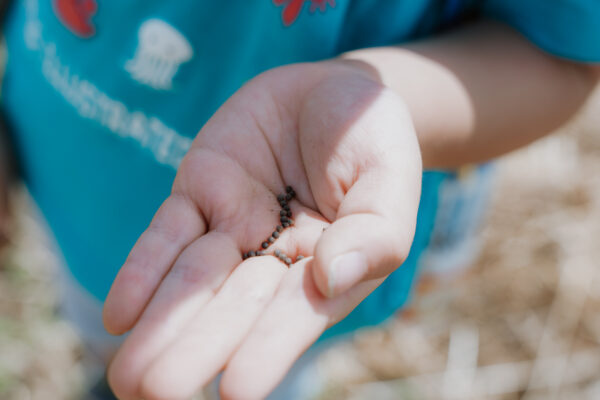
<point>189,260</point>
<point>348,135</point>
<point>481,91</point>
<point>351,136</point>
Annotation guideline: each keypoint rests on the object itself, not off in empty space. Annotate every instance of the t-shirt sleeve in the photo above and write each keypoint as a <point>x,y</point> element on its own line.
<point>565,28</point>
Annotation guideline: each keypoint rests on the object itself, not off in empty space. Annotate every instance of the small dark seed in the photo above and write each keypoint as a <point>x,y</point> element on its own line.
<point>300,257</point>
<point>280,197</point>
<point>288,189</point>
<point>265,245</point>
<point>275,234</point>
<point>283,213</point>
<point>283,219</point>
<point>277,253</point>
<point>244,256</point>
<point>286,207</point>
<point>289,214</point>
<point>293,194</point>
<point>288,197</point>
<point>285,224</point>
<point>290,221</point>
<point>251,253</point>
<point>271,239</point>
<point>279,228</point>
<point>282,256</point>
<point>260,253</point>
<point>288,261</point>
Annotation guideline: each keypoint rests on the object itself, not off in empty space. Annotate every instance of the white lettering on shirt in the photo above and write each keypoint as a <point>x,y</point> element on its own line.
<point>166,144</point>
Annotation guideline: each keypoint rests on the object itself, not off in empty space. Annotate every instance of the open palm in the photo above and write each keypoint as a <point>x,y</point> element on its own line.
<point>347,147</point>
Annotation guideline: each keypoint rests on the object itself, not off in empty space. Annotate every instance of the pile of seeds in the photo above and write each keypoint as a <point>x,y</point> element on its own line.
<point>285,217</point>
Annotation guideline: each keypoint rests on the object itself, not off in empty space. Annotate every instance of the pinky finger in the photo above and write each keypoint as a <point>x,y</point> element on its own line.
<point>209,340</point>
<point>176,224</point>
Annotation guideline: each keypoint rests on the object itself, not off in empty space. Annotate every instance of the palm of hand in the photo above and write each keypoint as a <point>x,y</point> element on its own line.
<point>350,154</point>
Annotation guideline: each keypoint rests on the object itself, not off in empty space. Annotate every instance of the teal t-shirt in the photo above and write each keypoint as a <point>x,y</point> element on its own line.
<point>105,97</point>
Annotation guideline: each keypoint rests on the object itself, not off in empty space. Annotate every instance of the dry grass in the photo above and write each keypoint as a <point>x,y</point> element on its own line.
<point>39,353</point>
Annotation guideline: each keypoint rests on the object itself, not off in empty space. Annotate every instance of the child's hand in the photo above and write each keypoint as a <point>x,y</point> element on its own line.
<point>347,146</point>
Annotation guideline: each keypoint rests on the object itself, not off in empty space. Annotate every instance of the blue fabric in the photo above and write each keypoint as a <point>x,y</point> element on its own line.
<point>565,28</point>
<point>100,148</point>
<point>106,101</point>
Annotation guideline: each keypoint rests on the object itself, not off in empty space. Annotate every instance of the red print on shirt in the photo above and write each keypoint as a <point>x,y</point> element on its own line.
<point>77,15</point>
<point>292,8</point>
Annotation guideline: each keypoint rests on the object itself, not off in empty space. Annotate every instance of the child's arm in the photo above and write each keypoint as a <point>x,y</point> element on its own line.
<point>347,145</point>
<point>480,91</point>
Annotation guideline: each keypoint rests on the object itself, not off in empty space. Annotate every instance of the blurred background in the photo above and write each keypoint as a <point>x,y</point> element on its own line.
<point>521,322</point>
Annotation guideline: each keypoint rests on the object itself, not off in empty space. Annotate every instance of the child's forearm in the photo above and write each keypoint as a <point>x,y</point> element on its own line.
<point>480,92</point>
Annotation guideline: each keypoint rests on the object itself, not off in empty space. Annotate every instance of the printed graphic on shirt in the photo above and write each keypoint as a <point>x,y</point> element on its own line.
<point>292,8</point>
<point>77,15</point>
<point>166,145</point>
<point>161,50</point>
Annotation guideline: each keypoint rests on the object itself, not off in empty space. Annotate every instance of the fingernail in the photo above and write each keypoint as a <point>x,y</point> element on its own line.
<point>345,271</point>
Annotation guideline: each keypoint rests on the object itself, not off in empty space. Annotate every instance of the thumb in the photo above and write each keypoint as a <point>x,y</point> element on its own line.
<point>372,233</point>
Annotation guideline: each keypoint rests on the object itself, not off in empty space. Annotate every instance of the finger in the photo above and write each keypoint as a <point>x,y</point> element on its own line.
<point>298,239</point>
<point>372,233</point>
<point>187,364</point>
<point>176,224</point>
<point>192,282</point>
<point>371,189</point>
<point>207,343</point>
<point>292,321</point>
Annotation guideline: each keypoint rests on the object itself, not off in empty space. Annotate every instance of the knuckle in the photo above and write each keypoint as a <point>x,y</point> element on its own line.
<point>398,246</point>
<point>401,247</point>
<point>164,232</point>
<point>189,272</point>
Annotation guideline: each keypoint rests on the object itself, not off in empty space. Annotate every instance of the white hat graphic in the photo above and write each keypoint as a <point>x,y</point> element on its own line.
<point>160,52</point>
